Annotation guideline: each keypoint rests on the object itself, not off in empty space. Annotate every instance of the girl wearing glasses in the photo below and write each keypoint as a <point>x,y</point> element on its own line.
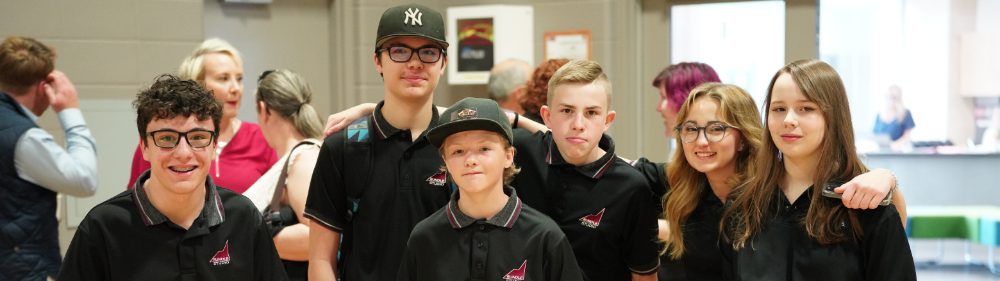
<point>719,130</point>
<point>779,226</point>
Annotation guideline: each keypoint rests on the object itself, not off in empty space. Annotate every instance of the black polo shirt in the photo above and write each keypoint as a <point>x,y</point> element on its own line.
<point>407,184</point>
<point>784,251</point>
<point>702,259</point>
<point>518,243</point>
<point>605,208</point>
<point>126,238</point>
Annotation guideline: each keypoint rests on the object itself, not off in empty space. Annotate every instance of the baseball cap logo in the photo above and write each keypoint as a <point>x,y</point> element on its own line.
<point>413,16</point>
<point>467,113</point>
<point>517,273</point>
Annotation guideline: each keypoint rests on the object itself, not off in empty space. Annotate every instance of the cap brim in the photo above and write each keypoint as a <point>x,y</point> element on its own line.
<point>437,135</point>
<point>439,42</point>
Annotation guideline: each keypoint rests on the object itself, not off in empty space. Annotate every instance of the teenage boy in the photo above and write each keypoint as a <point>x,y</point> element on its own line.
<point>367,214</point>
<point>175,223</point>
<point>604,206</point>
<point>485,232</point>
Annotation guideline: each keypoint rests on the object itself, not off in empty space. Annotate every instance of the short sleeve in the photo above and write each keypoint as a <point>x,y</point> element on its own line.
<point>886,248</point>
<point>86,258</point>
<point>655,175</point>
<point>642,246</point>
<point>327,200</point>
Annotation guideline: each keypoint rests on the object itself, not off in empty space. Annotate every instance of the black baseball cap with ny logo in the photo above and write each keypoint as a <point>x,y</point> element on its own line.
<point>411,20</point>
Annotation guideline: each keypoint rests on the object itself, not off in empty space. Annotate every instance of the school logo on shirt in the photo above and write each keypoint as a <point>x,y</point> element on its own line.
<point>517,273</point>
<point>222,256</point>
<point>592,221</point>
<point>438,178</point>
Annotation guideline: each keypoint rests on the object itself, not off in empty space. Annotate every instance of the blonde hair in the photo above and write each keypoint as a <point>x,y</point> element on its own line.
<point>579,71</point>
<point>754,201</point>
<point>737,108</point>
<point>193,67</point>
<point>288,94</point>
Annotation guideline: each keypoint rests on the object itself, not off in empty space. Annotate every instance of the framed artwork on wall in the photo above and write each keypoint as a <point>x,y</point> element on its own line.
<point>482,36</point>
<point>574,44</point>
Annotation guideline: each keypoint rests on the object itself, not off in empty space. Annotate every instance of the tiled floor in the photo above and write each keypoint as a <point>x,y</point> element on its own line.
<point>952,265</point>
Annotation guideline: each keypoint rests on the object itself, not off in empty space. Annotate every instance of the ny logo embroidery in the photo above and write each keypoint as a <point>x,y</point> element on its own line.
<point>413,17</point>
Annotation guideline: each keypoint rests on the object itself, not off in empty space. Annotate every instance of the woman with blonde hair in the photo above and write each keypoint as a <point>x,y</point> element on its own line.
<point>292,127</point>
<point>779,226</point>
<point>894,121</point>
<point>242,154</point>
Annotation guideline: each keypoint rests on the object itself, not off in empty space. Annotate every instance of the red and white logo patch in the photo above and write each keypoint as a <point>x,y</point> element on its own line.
<point>438,179</point>
<point>592,221</point>
<point>222,256</point>
<point>517,273</point>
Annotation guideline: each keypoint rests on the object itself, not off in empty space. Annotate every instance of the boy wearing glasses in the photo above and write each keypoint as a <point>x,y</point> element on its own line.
<point>369,223</point>
<point>175,223</point>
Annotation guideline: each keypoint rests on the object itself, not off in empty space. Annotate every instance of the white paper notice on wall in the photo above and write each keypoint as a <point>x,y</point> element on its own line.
<point>567,45</point>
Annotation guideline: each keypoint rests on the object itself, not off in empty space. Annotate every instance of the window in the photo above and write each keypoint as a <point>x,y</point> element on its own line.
<point>744,42</point>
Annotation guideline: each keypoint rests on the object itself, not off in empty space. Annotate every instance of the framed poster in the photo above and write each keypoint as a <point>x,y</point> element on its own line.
<point>475,44</point>
<point>482,36</point>
<point>567,44</point>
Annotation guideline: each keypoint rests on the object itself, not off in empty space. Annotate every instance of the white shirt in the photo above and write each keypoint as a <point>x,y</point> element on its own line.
<point>40,160</point>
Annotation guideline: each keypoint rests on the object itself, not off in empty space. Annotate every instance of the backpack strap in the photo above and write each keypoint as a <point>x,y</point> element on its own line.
<point>358,150</point>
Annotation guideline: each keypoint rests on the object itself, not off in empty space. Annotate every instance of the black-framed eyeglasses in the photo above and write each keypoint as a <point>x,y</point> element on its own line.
<point>264,74</point>
<point>714,131</point>
<point>427,54</point>
<point>196,138</point>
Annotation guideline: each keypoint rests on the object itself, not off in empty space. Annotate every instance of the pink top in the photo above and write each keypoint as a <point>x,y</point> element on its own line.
<point>243,160</point>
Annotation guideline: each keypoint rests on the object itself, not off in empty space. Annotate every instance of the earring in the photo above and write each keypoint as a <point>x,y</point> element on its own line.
<point>780,156</point>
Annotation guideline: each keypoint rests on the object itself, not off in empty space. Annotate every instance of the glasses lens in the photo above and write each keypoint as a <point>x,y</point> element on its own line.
<point>166,139</point>
<point>199,139</point>
<point>689,133</point>
<point>400,54</point>
<point>715,132</point>
<point>429,54</point>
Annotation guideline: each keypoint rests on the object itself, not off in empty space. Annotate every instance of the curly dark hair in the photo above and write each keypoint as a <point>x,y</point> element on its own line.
<point>538,86</point>
<point>171,97</point>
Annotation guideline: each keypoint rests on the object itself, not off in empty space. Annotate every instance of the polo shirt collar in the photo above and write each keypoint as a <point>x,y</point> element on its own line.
<point>594,170</point>
<point>505,218</point>
<point>212,212</point>
<point>386,130</point>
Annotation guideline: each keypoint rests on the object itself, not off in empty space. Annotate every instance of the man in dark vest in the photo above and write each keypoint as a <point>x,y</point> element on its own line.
<point>33,167</point>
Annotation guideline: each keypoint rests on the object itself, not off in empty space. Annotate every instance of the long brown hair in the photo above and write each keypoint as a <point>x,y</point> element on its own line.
<point>755,201</point>
<point>736,108</point>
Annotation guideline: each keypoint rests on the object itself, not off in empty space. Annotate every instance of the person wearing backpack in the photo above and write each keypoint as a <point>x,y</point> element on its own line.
<point>376,180</point>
